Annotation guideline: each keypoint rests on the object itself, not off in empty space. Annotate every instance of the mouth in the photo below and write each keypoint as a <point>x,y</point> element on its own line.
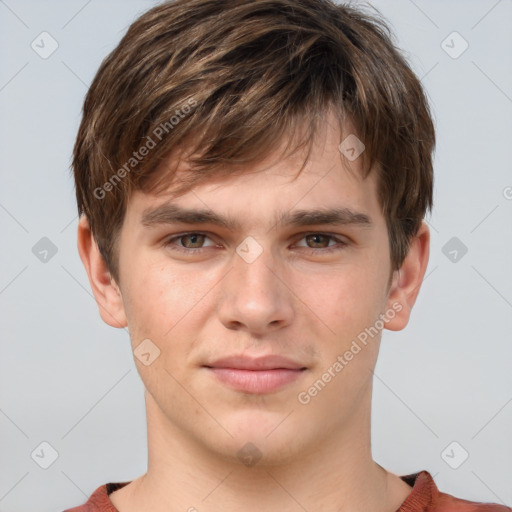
<point>256,375</point>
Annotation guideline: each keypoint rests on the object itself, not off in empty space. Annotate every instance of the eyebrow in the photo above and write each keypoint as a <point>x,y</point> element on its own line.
<point>172,214</point>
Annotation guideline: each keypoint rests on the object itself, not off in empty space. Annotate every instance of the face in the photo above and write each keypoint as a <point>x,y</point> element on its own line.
<point>275,266</point>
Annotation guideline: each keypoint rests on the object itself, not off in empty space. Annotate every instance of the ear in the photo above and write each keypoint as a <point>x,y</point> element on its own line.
<point>407,281</point>
<point>105,289</point>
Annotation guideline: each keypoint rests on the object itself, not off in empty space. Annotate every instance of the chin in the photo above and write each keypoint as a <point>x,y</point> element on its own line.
<point>261,439</point>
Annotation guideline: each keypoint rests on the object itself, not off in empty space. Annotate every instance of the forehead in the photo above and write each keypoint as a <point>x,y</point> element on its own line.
<point>327,131</point>
<point>271,198</point>
<point>278,183</point>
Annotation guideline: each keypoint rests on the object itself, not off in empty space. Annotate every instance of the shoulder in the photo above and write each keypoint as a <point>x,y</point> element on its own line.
<point>426,497</point>
<point>449,503</point>
<point>99,500</point>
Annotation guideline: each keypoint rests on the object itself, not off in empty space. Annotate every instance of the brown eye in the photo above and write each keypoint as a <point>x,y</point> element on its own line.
<point>192,241</point>
<point>318,241</point>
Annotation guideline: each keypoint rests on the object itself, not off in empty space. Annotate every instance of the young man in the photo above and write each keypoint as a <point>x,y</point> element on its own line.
<point>252,178</point>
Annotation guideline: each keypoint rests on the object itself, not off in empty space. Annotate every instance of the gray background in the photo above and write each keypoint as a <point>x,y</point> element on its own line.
<point>69,380</point>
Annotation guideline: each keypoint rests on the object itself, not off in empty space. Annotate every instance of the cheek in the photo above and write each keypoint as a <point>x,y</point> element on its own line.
<point>158,299</point>
<point>160,307</point>
<point>351,298</point>
<point>352,304</point>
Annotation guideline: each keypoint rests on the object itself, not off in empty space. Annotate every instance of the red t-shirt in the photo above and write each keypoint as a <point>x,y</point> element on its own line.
<point>424,497</point>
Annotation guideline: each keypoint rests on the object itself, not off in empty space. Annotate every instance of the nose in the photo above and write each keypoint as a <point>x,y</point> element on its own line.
<point>256,296</point>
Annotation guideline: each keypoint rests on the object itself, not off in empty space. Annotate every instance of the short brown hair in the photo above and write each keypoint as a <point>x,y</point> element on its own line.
<point>230,80</point>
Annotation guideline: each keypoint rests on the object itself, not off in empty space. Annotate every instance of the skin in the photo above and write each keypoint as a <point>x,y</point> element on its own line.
<point>295,300</point>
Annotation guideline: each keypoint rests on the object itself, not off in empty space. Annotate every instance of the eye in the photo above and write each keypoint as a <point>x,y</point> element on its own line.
<point>189,241</point>
<point>321,242</point>
<point>196,243</point>
<point>318,240</point>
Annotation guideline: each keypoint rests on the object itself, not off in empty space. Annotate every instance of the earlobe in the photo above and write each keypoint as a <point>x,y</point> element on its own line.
<point>407,281</point>
<point>105,289</point>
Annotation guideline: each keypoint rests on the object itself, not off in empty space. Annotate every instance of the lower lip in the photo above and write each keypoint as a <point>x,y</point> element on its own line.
<point>256,381</point>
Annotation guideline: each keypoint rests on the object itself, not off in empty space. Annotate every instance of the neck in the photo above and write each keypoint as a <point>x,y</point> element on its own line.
<point>339,474</point>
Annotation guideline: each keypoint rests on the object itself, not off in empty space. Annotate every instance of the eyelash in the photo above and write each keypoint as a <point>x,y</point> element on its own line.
<point>340,243</point>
